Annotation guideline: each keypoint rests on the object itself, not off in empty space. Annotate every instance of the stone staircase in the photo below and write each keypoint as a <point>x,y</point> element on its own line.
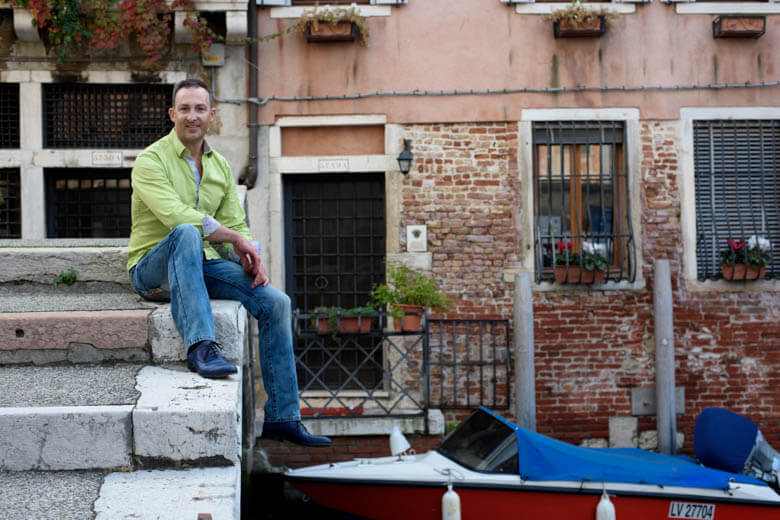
<point>99,416</point>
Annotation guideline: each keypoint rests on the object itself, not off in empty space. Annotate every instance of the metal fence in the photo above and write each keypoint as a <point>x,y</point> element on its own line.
<point>453,363</point>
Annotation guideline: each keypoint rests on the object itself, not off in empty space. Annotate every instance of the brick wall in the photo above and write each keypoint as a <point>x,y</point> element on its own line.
<point>343,448</point>
<point>591,346</point>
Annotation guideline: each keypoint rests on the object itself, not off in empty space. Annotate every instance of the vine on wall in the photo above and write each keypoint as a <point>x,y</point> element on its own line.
<point>104,24</point>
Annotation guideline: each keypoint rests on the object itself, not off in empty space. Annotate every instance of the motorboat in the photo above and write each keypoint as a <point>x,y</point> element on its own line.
<point>489,468</point>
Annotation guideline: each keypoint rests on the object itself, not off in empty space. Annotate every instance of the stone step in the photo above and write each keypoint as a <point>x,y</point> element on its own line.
<point>116,416</point>
<point>142,494</point>
<point>41,324</point>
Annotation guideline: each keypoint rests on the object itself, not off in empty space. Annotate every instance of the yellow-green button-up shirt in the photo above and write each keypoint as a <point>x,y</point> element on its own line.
<point>166,195</point>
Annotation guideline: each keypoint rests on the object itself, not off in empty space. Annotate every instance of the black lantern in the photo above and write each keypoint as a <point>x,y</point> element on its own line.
<point>405,158</point>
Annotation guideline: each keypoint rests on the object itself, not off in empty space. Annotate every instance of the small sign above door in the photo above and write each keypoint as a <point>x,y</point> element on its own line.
<point>333,165</point>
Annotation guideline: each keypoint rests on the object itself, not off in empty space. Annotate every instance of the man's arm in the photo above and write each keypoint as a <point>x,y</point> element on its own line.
<point>246,252</point>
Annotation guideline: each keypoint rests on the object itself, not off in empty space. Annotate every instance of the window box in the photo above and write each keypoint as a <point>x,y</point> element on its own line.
<point>347,325</point>
<point>591,28</point>
<point>577,274</point>
<point>739,272</point>
<point>738,26</point>
<point>325,31</point>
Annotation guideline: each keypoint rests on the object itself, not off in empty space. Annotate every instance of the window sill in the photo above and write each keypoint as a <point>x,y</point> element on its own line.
<point>547,8</point>
<point>363,10</point>
<point>751,286</point>
<point>728,8</point>
<point>550,286</point>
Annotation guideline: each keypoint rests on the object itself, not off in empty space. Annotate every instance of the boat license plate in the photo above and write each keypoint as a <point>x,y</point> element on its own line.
<point>692,511</point>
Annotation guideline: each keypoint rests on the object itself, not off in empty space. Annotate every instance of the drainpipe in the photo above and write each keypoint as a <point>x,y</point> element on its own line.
<point>249,176</point>
<point>664,358</point>
<point>525,383</point>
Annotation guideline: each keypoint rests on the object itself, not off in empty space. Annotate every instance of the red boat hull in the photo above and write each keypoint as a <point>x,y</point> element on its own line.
<point>388,502</point>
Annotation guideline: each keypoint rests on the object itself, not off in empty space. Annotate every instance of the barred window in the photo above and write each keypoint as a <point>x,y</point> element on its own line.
<point>86,115</point>
<point>9,115</point>
<point>737,185</point>
<point>10,203</point>
<point>87,202</point>
<point>581,195</point>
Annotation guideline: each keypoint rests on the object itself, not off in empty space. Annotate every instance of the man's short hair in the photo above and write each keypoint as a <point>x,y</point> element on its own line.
<point>191,83</point>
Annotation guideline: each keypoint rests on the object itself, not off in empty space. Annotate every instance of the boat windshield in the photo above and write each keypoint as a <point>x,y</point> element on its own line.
<point>482,443</point>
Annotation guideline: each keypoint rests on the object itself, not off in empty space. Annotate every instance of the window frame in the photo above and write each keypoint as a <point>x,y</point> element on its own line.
<point>688,189</point>
<point>630,119</point>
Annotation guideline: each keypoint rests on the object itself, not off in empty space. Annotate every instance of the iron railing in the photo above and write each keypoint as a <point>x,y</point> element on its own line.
<point>450,363</point>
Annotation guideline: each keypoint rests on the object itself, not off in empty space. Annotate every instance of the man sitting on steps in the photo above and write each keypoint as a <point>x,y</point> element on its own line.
<point>184,201</point>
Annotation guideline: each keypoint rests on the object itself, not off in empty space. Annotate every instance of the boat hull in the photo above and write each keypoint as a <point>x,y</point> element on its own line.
<point>388,501</point>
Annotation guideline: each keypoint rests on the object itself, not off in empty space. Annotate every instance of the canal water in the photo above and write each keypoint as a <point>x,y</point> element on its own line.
<point>266,497</point>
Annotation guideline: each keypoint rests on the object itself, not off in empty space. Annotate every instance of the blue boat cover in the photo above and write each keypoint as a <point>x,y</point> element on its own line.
<point>544,458</point>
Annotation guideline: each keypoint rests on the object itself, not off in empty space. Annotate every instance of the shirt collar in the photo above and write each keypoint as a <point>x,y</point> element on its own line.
<point>181,150</point>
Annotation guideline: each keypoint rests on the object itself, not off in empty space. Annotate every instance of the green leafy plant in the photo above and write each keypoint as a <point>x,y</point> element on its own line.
<point>103,24</point>
<point>334,313</point>
<point>65,277</point>
<point>756,251</point>
<point>407,287</point>
<point>576,14</point>
<point>591,258</point>
<point>333,16</point>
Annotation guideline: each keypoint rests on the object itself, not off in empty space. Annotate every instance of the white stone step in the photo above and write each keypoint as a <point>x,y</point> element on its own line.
<point>116,416</point>
<point>137,495</point>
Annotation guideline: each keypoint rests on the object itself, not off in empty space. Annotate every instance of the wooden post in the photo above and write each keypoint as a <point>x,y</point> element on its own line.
<point>525,381</point>
<point>664,358</point>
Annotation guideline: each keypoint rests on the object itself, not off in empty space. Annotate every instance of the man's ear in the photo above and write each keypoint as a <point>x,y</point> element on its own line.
<point>170,114</point>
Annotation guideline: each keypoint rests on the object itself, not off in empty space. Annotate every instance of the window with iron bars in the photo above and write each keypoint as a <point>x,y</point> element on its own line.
<point>87,202</point>
<point>86,115</point>
<point>10,203</point>
<point>581,196</point>
<point>9,115</point>
<point>737,186</point>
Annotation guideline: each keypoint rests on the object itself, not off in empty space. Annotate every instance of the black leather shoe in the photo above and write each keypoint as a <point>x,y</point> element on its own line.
<point>206,359</point>
<point>295,432</point>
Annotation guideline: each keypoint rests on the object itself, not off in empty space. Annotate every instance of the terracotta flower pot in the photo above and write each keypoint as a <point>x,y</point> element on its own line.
<point>590,29</point>
<point>347,325</point>
<point>411,321</point>
<point>331,32</point>
<point>576,274</point>
<point>743,272</point>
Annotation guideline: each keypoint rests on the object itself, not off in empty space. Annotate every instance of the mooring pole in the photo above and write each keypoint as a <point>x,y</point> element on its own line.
<point>525,384</point>
<point>665,418</point>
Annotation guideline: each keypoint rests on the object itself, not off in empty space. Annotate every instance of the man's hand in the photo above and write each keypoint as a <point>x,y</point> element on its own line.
<point>251,262</point>
<point>247,254</point>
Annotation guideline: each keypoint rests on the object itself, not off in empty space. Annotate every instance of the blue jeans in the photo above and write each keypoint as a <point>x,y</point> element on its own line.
<point>175,270</point>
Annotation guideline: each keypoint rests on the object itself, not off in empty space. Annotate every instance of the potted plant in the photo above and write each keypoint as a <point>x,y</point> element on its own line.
<point>331,24</point>
<point>586,267</point>
<point>407,294</point>
<point>577,21</point>
<point>346,321</point>
<point>746,261</point>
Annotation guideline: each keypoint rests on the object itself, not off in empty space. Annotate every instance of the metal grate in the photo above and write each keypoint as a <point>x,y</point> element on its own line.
<point>9,115</point>
<point>335,253</point>
<point>581,194</point>
<point>88,202</point>
<point>10,203</point>
<point>737,184</point>
<point>469,363</point>
<point>86,115</point>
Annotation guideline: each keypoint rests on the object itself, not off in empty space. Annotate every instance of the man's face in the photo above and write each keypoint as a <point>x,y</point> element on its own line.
<point>191,114</point>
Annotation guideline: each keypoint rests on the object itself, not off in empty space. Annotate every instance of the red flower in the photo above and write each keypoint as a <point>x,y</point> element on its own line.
<point>736,244</point>
<point>564,246</point>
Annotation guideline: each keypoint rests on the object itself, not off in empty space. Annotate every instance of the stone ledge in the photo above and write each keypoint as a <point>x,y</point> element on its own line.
<point>65,438</point>
<point>182,417</point>
<point>230,327</point>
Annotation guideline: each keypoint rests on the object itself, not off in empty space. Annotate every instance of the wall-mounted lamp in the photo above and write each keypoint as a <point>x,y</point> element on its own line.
<point>405,158</point>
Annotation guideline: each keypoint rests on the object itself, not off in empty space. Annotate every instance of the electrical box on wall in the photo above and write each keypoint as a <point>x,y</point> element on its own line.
<point>417,238</point>
<point>215,57</point>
